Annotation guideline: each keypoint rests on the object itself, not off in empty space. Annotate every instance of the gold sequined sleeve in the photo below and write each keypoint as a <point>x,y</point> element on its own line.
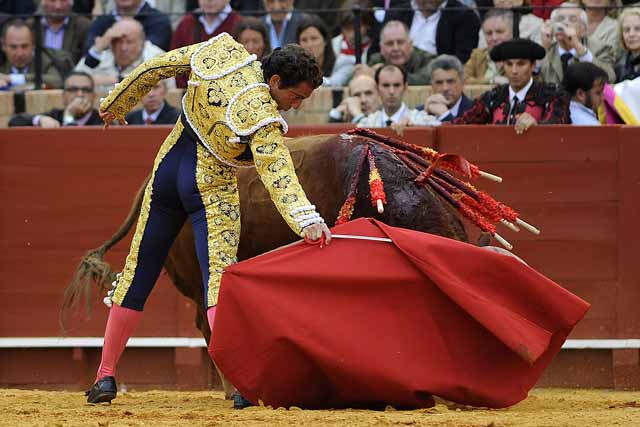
<point>126,94</point>
<point>275,168</point>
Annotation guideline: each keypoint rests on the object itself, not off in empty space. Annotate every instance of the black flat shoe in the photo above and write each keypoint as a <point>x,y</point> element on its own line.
<point>240,402</point>
<point>104,390</point>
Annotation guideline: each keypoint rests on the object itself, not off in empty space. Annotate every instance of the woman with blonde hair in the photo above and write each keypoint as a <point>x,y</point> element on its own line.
<point>628,67</point>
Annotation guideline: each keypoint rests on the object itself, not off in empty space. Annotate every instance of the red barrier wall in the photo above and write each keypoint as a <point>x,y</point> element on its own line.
<point>66,191</point>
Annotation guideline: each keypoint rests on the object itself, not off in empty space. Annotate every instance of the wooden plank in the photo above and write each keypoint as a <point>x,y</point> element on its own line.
<point>40,101</point>
<point>493,144</point>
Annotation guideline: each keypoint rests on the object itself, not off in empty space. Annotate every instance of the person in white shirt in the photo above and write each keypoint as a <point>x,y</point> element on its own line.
<point>585,83</point>
<point>391,81</point>
<point>362,99</point>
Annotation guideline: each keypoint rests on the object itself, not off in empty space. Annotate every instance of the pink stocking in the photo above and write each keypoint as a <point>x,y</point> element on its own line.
<point>211,317</point>
<point>120,325</point>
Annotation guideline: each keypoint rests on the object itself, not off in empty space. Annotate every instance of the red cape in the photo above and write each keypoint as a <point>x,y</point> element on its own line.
<point>360,323</point>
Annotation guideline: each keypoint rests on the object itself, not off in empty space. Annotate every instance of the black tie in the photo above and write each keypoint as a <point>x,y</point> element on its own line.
<point>388,122</point>
<point>514,109</point>
<point>565,58</point>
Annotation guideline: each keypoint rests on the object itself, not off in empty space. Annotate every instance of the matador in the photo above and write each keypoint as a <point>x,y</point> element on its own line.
<point>230,119</point>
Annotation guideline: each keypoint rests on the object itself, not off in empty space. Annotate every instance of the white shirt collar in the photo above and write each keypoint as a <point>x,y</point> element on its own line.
<point>521,93</point>
<point>153,116</point>
<point>218,20</point>
<point>286,19</point>
<point>395,117</point>
<point>453,110</point>
<point>45,23</point>
<point>561,51</point>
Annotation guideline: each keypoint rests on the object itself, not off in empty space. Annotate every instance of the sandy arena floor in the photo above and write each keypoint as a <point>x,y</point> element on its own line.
<point>544,407</point>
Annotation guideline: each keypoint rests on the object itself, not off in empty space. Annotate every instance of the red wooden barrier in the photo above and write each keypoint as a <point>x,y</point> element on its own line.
<point>66,191</point>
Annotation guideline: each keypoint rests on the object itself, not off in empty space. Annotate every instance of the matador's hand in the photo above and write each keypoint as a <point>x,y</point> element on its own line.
<point>108,117</point>
<point>315,232</point>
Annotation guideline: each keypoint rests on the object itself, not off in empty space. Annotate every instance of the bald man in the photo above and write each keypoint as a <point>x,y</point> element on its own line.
<point>362,99</point>
<point>117,52</point>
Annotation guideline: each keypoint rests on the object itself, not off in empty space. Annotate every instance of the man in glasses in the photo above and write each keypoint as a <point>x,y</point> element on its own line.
<point>564,37</point>
<point>78,99</point>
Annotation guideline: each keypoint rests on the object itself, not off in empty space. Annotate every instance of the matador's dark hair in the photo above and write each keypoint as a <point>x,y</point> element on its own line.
<point>294,65</point>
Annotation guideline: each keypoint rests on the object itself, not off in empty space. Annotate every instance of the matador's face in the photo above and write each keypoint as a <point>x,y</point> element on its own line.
<point>290,97</point>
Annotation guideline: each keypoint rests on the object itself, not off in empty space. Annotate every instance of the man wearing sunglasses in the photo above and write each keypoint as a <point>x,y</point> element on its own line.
<point>78,98</point>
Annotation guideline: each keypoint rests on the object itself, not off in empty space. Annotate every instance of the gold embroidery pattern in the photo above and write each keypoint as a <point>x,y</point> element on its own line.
<point>219,56</point>
<point>136,85</point>
<point>124,282</point>
<point>216,95</point>
<point>276,170</point>
<point>252,107</point>
<point>219,192</point>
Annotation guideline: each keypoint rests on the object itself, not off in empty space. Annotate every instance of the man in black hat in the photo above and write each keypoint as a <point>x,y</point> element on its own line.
<point>522,102</point>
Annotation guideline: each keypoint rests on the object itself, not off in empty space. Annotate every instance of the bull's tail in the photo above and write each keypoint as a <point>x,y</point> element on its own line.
<point>93,268</point>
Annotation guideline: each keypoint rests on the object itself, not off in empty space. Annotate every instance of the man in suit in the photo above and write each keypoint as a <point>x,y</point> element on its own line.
<point>480,69</point>
<point>155,110</point>
<point>396,48</point>
<point>116,53</point>
<point>17,72</point>
<point>281,21</point>
<point>156,25</point>
<point>61,29</point>
<point>521,102</point>
<point>362,99</point>
<point>564,37</point>
<point>448,101</point>
<point>391,81</point>
<point>78,98</point>
<point>443,27</point>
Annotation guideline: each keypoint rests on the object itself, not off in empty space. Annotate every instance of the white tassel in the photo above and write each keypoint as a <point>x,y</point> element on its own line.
<point>527,226</point>
<point>509,225</point>
<point>380,206</point>
<point>502,241</point>
<point>490,176</point>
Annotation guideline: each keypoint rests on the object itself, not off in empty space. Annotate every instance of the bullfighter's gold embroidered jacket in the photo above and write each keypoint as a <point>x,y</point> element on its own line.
<point>229,108</point>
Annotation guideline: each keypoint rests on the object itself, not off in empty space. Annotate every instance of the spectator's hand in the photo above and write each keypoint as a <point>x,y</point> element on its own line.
<point>399,126</point>
<point>108,117</point>
<point>353,105</point>
<point>574,41</point>
<point>436,104</point>
<point>524,122</point>
<point>48,122</point>
<point>546,34</point>
<point>363,69</point>
<point>5,80</point>
<point>78,107</point>
<point>104,42</point>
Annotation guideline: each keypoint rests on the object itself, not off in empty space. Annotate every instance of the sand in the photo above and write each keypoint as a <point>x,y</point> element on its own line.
<point>544,407</point>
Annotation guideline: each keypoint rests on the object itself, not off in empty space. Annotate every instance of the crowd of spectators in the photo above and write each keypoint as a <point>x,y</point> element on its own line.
<point>531,51</point>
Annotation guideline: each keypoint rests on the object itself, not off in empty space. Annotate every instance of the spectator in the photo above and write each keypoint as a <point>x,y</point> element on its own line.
<point>252,34</point>
<point>313,36</point>
<point>600,26</point>
<point>585,84</point>
<point>628,68</point>
<point>522,101</point>
<point>17,71</point>
<point>362,99</point>
<point>383,12</point>
<point>448,101</point>
<point>396,48</point>
<point>391,81</point>
<point>155,110</point>
<point>564,37</point>
<point>282,22</point>
<point>480,69</point>
<point>344,47</point>
<point>444,27</point>
<point>543,8</point>
<point>210,19</point>
<point>529,25</point>
<point>156,25</point>
<point>61,29</point>
<point>78,99</point>
<point>115,54</point>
